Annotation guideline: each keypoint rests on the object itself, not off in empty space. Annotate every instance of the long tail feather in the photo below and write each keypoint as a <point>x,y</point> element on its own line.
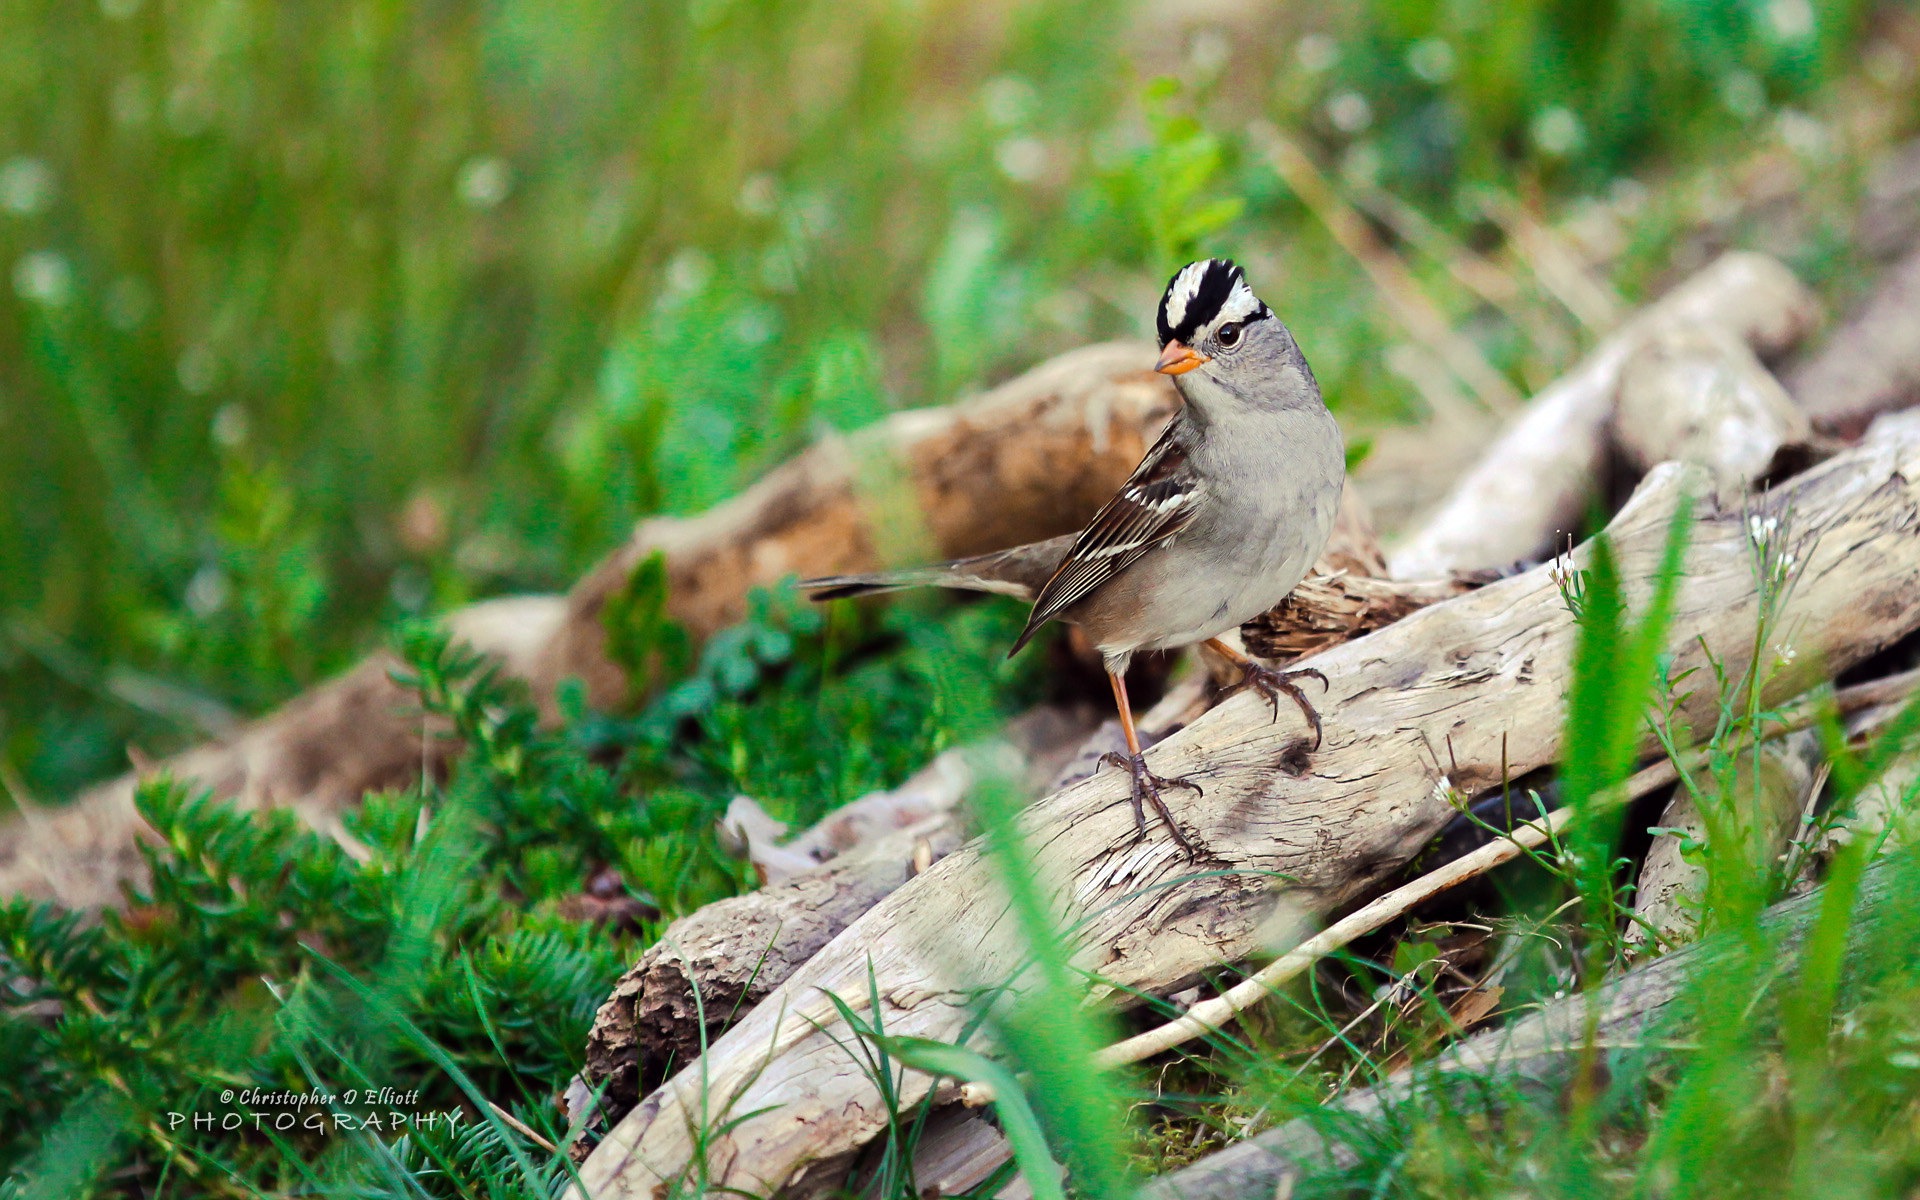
<point>840,587</point>
<point>1017,572</point>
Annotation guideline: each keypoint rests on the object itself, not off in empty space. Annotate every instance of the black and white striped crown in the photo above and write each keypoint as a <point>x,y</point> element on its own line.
<point>1200,295</point>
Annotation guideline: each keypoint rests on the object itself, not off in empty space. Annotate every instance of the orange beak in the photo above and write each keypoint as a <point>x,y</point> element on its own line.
<point>1179,358</point>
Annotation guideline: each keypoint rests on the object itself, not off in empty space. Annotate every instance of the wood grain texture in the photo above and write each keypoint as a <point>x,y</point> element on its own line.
<point>1461,686</point>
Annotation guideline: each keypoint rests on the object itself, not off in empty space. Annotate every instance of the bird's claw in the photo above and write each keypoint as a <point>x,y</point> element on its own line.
<point>1146,784</point>
<point>1272,684</point>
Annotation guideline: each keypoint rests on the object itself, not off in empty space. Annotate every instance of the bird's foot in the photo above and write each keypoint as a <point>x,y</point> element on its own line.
<point>1273,684</point>
<point>1146,786</point>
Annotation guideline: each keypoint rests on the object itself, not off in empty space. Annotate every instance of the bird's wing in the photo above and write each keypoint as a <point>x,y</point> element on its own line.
<point>1156,502</point>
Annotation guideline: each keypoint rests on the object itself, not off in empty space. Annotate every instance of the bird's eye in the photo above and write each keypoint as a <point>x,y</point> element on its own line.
<point>1228,335</point>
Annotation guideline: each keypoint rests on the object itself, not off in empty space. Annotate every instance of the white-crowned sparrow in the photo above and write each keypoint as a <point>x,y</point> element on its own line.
<point>1224,516</point>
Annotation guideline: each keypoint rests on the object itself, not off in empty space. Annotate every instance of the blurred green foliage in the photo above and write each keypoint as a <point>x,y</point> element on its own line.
<point>322,315</point>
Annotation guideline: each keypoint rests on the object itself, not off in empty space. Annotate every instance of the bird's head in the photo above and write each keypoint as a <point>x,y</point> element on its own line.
<point>1215,331</point>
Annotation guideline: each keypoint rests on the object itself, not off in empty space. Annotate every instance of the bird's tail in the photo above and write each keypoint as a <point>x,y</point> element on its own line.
<point>839,587</point>
<point>1019,572</point>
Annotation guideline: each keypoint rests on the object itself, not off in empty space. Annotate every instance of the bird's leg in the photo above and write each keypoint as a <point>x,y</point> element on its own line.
<point>1145,782</point>
<point>1271,683</point>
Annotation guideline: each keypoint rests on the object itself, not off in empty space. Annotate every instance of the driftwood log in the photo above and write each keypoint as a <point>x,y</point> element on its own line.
<point>1028,460</point>
<point>737,951</point>
<point>1461,688</point>
<point>1764,811</point>
<point>1872,364</point>
<point>1544,1047</point>
<point>317,753</point>
<point>1698,393</point>
<point>1535,484</point>
<point>722,959</point>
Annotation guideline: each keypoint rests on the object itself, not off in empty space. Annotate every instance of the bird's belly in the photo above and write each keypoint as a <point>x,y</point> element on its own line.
<point>1154,606</point>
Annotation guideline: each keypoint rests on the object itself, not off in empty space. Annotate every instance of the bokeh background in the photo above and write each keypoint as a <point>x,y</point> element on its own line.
<point>319,315</point>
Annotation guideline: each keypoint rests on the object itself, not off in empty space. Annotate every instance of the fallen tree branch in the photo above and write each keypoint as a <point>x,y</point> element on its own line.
<point>1210,1016</point>
<point>1535,482</point>
<point>1544,1045</point>
<point>1871,364</point>
<point>1699,394</point>
<point>965,1152</point>
<point>1762,812</point>
<point>1027,460</point>
<point>1478,679</point>
<point>738,950</point>
<point>714,964</point>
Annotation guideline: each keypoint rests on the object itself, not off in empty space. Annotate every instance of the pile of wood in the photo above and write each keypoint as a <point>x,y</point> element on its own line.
<point>1447,678</point>
<point>1447,661</point>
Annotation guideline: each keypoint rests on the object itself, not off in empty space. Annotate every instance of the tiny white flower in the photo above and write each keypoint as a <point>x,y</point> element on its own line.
<point>1805,135</point>
<point>759,195</point>
<point>1792,20</point>
<point>688,272</point>
<point>1208,52</point>
<point>207,591</point>
<point>26,185</point>
<point>1557,131</point>
<point>1349,112</point>
<point>1022,159</point>
<point>484,182</point>
<point>1431,59</point>
<point>1009,100</point>
<point>1316,52</point>
<point>231,425</point>
<point>1742,94</point>
<point>43,277</point>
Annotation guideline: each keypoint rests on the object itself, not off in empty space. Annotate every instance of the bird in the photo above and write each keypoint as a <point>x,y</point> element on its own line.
<point>1224,516</point>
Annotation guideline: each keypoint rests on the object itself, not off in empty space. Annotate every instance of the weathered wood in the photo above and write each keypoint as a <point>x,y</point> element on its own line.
<point>1033,458</point>
<point>713,965</point>
<point>651,1017</point>
<point>1762,813</point>
<point>1459,688</point>
<point>1328,609</point>
<point>1697,393</point>
<point>314,755</point>
<point>1535,482</point>
<point>1871,364</point>
<point>1030,459</point>
<point>1543,1046</point>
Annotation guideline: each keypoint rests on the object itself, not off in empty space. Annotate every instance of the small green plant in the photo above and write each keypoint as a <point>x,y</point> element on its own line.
<point>437,948</point>
<point>1616,666</point>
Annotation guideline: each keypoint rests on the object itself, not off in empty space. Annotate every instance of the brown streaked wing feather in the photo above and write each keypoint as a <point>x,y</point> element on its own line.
<point>1156,502</point>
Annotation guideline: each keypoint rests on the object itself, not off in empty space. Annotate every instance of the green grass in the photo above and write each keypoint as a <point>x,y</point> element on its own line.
<point>324,318</point>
